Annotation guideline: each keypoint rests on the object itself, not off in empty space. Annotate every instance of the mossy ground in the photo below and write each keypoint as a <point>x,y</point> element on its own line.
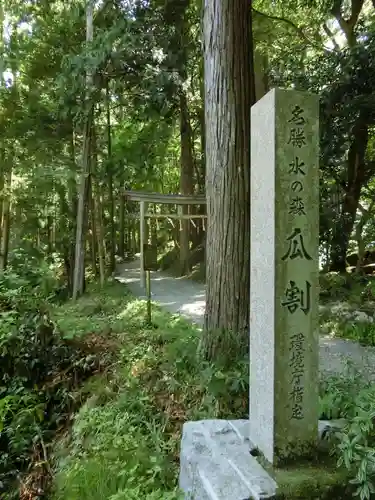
<point>311,483</point>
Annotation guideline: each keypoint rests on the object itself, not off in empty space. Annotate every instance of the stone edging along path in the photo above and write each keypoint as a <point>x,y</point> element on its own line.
<point>185,297</point>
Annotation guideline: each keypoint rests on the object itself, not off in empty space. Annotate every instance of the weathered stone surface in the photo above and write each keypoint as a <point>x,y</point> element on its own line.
<point>284,274</point>
<point>215,463</point>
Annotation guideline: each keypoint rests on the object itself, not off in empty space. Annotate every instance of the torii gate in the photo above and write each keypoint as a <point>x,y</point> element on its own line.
<point>144,198</point>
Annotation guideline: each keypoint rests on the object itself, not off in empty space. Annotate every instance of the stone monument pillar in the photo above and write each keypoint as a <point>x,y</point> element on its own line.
<point>284,346</point>
<point>283,415</point>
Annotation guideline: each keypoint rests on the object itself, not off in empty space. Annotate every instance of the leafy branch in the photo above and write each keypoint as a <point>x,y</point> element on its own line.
<point>299,30</point>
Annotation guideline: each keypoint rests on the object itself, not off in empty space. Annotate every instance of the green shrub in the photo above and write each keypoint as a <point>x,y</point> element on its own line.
<point>357,443</point>
<point>337,393</point>
<point>364,333</point>
<point>368,292</point>
<point>353,398</point>
<point>34,397</point>
<point>337,286</point>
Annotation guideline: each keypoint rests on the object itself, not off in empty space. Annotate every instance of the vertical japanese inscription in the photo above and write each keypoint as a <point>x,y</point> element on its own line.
<point>297,294</point>
<point>297,167</point>
<point>296,365</point>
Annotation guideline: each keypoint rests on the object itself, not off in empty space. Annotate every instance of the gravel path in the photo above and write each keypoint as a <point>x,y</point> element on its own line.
<point>185,297</point>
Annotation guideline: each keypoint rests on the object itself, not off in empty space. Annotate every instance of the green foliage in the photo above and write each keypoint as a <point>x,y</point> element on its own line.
<point>34,398</point>
<point>125,439</point>
<point>336,286</point>
<point>337,393</point>
<point>368,292</point>
<point>357,443</point>
<point>99,311</point>
<point>352,398</point>
<point>364,333</point>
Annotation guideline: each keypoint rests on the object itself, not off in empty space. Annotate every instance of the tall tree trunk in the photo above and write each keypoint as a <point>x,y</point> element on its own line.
<point>99,232</point>
<point>5,223</point>
<point>17,233</point>
<point>79,261</point>
<point>110,184</point>
<point>135,238</point>
<point>2,145</point>
<point>82,212</point>
<point>121,242</point>
<point>6,170</point>
<point>199,233</point>
<point>93,238</point>
<point>366,214</point>
<point>229,94</point>
<point>98,211</point>
<point>357,176</point>
<point>2,177</point>
<point>72,226</point>
<point>186,181</point>
<point>202,176</point>
<point>50,234</point>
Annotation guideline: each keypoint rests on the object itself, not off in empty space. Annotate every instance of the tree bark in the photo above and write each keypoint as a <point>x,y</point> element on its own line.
<point>357,176</point>
<point>229,94</point>
<point>93,239</point>
<point>2,177</point>
<point>348,25</point>
<point>97,216</point>
<point>110,184</point>
<point>198,234</point>
<point>5,224</point>
<point>73,204</point>
<point>2,145</point>
<point>121,243</point>
<point>98,210</point>
<point>82,210</point>
<point>186,181</point>
<point>366,214</point>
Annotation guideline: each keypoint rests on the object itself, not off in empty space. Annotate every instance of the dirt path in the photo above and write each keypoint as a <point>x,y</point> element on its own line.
<point>183,296</point>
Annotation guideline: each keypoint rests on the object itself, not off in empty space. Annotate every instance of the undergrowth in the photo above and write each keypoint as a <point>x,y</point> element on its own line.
<point>356,293</point>
<point>39,373</point>
<point>95,399</point>
<point>363,333</point>
<point>352,398</point>
<point>125,440</point>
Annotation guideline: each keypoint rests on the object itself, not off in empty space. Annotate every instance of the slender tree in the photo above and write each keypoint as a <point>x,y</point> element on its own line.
<point>82,210</point>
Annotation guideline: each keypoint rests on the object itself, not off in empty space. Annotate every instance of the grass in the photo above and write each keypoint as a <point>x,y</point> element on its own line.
<point>124,442</point>
<point>363,333</point>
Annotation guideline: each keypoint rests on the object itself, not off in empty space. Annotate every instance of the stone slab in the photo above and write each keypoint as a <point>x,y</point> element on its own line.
<point>215,461</point>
